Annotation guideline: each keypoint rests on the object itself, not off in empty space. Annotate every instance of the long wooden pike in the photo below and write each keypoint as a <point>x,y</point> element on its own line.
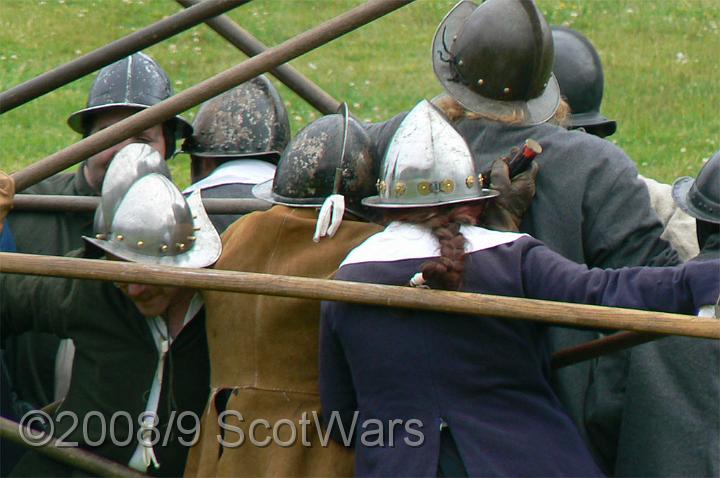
<point>75,457</point>
<point>595,348</point>
<point>205,90</point>
<point>56,203</point>
<point>560,313</point>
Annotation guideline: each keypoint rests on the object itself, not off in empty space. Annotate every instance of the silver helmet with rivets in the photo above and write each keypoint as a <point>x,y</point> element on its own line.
<point>155,224</point>
<point>427,164</point>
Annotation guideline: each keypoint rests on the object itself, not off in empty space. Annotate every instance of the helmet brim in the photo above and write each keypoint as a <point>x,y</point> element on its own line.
<point>182,128</point>
<point>379,202</point>
<point>680,190</point>
<point>206,249</point>
<point>264,192</point>
<point>533,111</point>
<point>592,119</point>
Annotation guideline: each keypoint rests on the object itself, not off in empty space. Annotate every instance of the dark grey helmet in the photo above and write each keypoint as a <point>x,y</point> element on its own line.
<point>331,155</point>
<point>700,197</point>
<point>580,75</point>
<point>249,120</point>
<point>136,81</point>
<point>497,59</point>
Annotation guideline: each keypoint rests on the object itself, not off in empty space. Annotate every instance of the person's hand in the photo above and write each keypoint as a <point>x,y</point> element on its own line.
<point>505,212</point>
<point>7,192</point>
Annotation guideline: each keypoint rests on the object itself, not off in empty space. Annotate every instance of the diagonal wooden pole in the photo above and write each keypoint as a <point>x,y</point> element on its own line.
<point>205,90</point>
<point>561,313</point>
<point>244,41</point>
<point>75,457</point>
<point>114,51</point>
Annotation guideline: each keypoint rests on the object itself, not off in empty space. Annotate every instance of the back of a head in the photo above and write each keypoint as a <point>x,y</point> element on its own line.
<point>496,60</point>
<point>249,120</point>
<point>579,73</point>
<point>331,155</point>
<point>135,82</point>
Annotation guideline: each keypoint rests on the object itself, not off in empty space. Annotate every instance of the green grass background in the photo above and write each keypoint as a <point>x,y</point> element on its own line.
<point>660,59</point>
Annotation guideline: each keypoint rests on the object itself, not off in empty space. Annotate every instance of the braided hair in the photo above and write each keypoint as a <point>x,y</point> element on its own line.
<point>444,272</point>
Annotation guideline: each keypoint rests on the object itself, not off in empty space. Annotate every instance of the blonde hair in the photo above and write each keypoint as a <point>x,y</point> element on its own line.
<point>455,111</point>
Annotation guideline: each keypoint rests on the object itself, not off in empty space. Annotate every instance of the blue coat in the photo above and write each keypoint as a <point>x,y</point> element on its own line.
<point>485,378</point>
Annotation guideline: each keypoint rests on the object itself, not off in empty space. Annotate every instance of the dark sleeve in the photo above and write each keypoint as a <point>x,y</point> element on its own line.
<point>680,289</point>
<point>619,225</point>
<point>337,392</point>
<point>41,304</point>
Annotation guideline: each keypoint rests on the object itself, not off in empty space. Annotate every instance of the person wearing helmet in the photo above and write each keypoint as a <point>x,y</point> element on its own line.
<point>237,141</point>
<point>141,349</point>
<point>119,90</point>
<point>669,391</point>
<point>494,62</point>
<point>440,394</point>
<point>264,361</point>
<point>579,73</point>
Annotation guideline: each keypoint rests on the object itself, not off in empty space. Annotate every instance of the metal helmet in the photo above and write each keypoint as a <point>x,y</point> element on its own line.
<point>136,81</point>
<point>248,120</point>
<point>497,59</point>
<point>155,224</point>
<point>580,75</point>
<point>428,163</point>
<point>700,197</point>
<point>331,155</point>
<point>127,166</point>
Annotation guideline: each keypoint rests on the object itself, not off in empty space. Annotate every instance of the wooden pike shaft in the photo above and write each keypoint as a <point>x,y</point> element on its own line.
<point>75,457</point>
<point>55,203</point>
<point>391,296</point>
<point>596,348</point>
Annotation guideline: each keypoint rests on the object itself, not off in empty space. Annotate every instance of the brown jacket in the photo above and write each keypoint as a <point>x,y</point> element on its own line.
<point>265,350</point>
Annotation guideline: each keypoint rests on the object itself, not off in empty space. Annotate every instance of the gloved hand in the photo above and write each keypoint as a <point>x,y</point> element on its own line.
<point>505,212</point>
<point>7,192</point>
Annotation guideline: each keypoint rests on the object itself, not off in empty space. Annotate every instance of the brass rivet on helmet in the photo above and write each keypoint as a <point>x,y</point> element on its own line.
<point>381,187</point>
<point>400,189</point>
<point>424,188</point>
<point>196,228</point>
<point>470,182</point>
<point>141,244</point>
<point>192,238</point>
<point>481,179</point>
<point>447,185</point>
<point>460,63</point>
<point>180,246</point>
<point>119,237</point>
<point>100,236</point>
<point>481,82</point>
<point>506,90</point>
<point>164,248</point>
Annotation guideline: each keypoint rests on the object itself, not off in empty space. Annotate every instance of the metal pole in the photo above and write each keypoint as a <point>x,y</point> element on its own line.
<point>573,315</point>
<point>57,203</point>
<point>75,457</point>
<point>114,51</point>
<point>205,90</point>
<point>596,348</point>
<point>251,46</point>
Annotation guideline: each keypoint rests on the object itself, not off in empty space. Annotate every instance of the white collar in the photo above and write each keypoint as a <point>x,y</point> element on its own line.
<point>400,241</point>
<point>237,171</point>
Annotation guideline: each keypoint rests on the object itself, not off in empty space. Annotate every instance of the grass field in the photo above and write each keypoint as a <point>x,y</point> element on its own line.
<point>660,58</point>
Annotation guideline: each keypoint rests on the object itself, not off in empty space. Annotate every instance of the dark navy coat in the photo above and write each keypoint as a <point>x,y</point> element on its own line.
<point>487,379</point>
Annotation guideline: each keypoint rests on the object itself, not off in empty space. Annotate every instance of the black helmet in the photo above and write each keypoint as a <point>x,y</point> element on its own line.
<point>136,81</point>
<point>700,197</point>
<point>497,59</point>
<point>248,120</point>
<point>580,75</point>
<point>331,155</point>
